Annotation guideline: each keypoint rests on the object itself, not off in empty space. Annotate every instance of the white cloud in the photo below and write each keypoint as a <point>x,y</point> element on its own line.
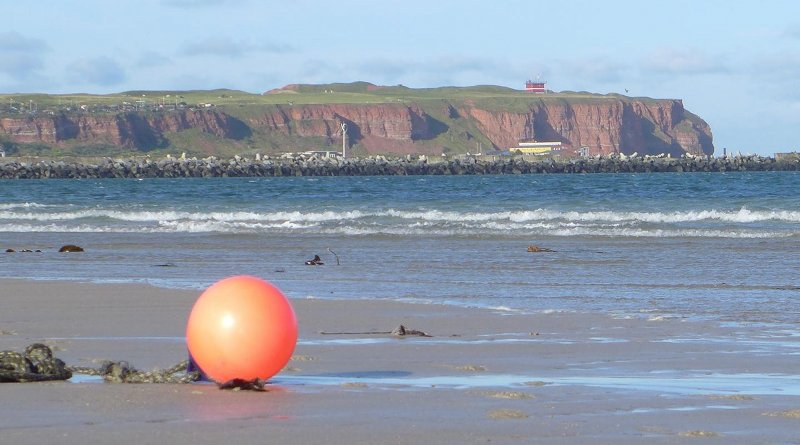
<point>21,57</point>
<point>152,59</point>
<point>226,47</point>
<point>793,31</point>
<point>16,42</point>
<point>671,61</point>
<point>594,70</point>
<point>445,70</point>
<point>101,71</point>
<point>190,4</point>
<point>777,74</point>
<point>318,70</point>
<point>384,68</point>
<point>778,66</point>
<point>18,65</point>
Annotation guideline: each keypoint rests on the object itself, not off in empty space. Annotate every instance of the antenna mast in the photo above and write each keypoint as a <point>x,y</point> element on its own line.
<point>344,140</point>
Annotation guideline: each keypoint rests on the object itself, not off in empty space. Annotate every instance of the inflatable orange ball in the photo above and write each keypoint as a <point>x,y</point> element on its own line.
<point>241,327</point>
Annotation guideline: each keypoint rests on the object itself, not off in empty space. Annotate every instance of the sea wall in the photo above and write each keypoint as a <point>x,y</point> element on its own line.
<point>379,165</point>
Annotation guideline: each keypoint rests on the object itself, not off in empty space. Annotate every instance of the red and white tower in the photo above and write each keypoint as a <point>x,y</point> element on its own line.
<point>535,87</point>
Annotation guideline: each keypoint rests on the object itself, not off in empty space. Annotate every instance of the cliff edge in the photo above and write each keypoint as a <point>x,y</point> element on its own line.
<point>380,120</point>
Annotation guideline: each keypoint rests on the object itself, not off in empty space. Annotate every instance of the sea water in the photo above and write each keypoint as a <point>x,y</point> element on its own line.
<point>721,246</point>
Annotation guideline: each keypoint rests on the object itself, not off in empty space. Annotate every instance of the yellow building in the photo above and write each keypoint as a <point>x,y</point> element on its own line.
<point>536,148</point>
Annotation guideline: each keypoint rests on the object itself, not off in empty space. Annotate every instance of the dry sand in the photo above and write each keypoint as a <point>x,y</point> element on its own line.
<point>484,377</point>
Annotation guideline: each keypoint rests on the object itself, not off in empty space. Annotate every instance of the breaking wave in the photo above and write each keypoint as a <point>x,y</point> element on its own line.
<point>742,215</point>
<point>739,223</point>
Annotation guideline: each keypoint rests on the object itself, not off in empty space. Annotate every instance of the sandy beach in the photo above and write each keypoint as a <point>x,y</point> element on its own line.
<point>485,376</point>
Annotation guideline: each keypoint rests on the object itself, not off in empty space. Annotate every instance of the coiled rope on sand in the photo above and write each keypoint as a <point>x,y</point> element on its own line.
<point>37,364</point>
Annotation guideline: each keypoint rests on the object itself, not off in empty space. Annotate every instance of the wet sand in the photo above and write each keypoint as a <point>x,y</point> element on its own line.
<point>484,377</point>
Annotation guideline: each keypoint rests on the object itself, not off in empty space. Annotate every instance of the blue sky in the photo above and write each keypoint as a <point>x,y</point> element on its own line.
<point>736,64</point>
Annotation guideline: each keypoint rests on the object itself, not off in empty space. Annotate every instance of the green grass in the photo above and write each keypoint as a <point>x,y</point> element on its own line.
<point>338,93</point>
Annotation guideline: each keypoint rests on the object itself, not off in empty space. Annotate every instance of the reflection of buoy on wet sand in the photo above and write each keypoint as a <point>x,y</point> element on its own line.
<point>241,327</point>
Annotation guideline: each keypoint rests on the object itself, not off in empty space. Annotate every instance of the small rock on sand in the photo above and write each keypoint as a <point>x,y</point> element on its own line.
<point>507,414</point>
<point>698,433</point>
<point>470,368</point>
<point>793,413</point>
<point>511,395</point>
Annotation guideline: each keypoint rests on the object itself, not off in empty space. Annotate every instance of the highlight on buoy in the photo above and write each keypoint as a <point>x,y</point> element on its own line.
<point>241,327</point>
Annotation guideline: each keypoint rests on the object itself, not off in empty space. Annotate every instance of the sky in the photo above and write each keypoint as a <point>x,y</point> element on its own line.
<point>736,64</point>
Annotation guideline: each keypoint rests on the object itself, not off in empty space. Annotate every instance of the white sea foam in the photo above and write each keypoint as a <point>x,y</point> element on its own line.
<point>431,222</point>
<point>742,215</point>
<point>171,215</point>
<point>683,233</point>
<point>52,228</point>
<point>290,227</point>
<point>229,226</point>
<point>21,205</point>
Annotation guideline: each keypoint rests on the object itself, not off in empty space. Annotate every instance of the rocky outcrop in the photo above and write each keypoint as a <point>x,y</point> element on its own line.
<point>602,124</point>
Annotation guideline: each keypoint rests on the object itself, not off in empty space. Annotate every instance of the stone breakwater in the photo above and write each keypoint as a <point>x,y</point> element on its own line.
<point>379,165</point>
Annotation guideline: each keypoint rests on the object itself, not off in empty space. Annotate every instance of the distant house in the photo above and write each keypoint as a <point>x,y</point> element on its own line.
<point>322,154</point>
<point>787,156</point>
<point>536,148</point>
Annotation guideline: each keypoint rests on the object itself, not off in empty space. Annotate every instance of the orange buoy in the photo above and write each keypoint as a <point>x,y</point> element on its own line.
<point>241,327</point>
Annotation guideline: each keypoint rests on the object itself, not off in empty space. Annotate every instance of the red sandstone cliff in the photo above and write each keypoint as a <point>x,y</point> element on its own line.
<point>131,130</point>
<point>402,123</point>
<point>604,125</point>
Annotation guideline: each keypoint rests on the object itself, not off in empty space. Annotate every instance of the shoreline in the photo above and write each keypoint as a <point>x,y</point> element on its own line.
<point>300,165</point>
<point>483,376</point>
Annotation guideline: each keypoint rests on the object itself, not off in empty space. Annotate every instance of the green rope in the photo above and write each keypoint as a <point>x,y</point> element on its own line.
<point>37,364</point>
<point>122,372</point>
